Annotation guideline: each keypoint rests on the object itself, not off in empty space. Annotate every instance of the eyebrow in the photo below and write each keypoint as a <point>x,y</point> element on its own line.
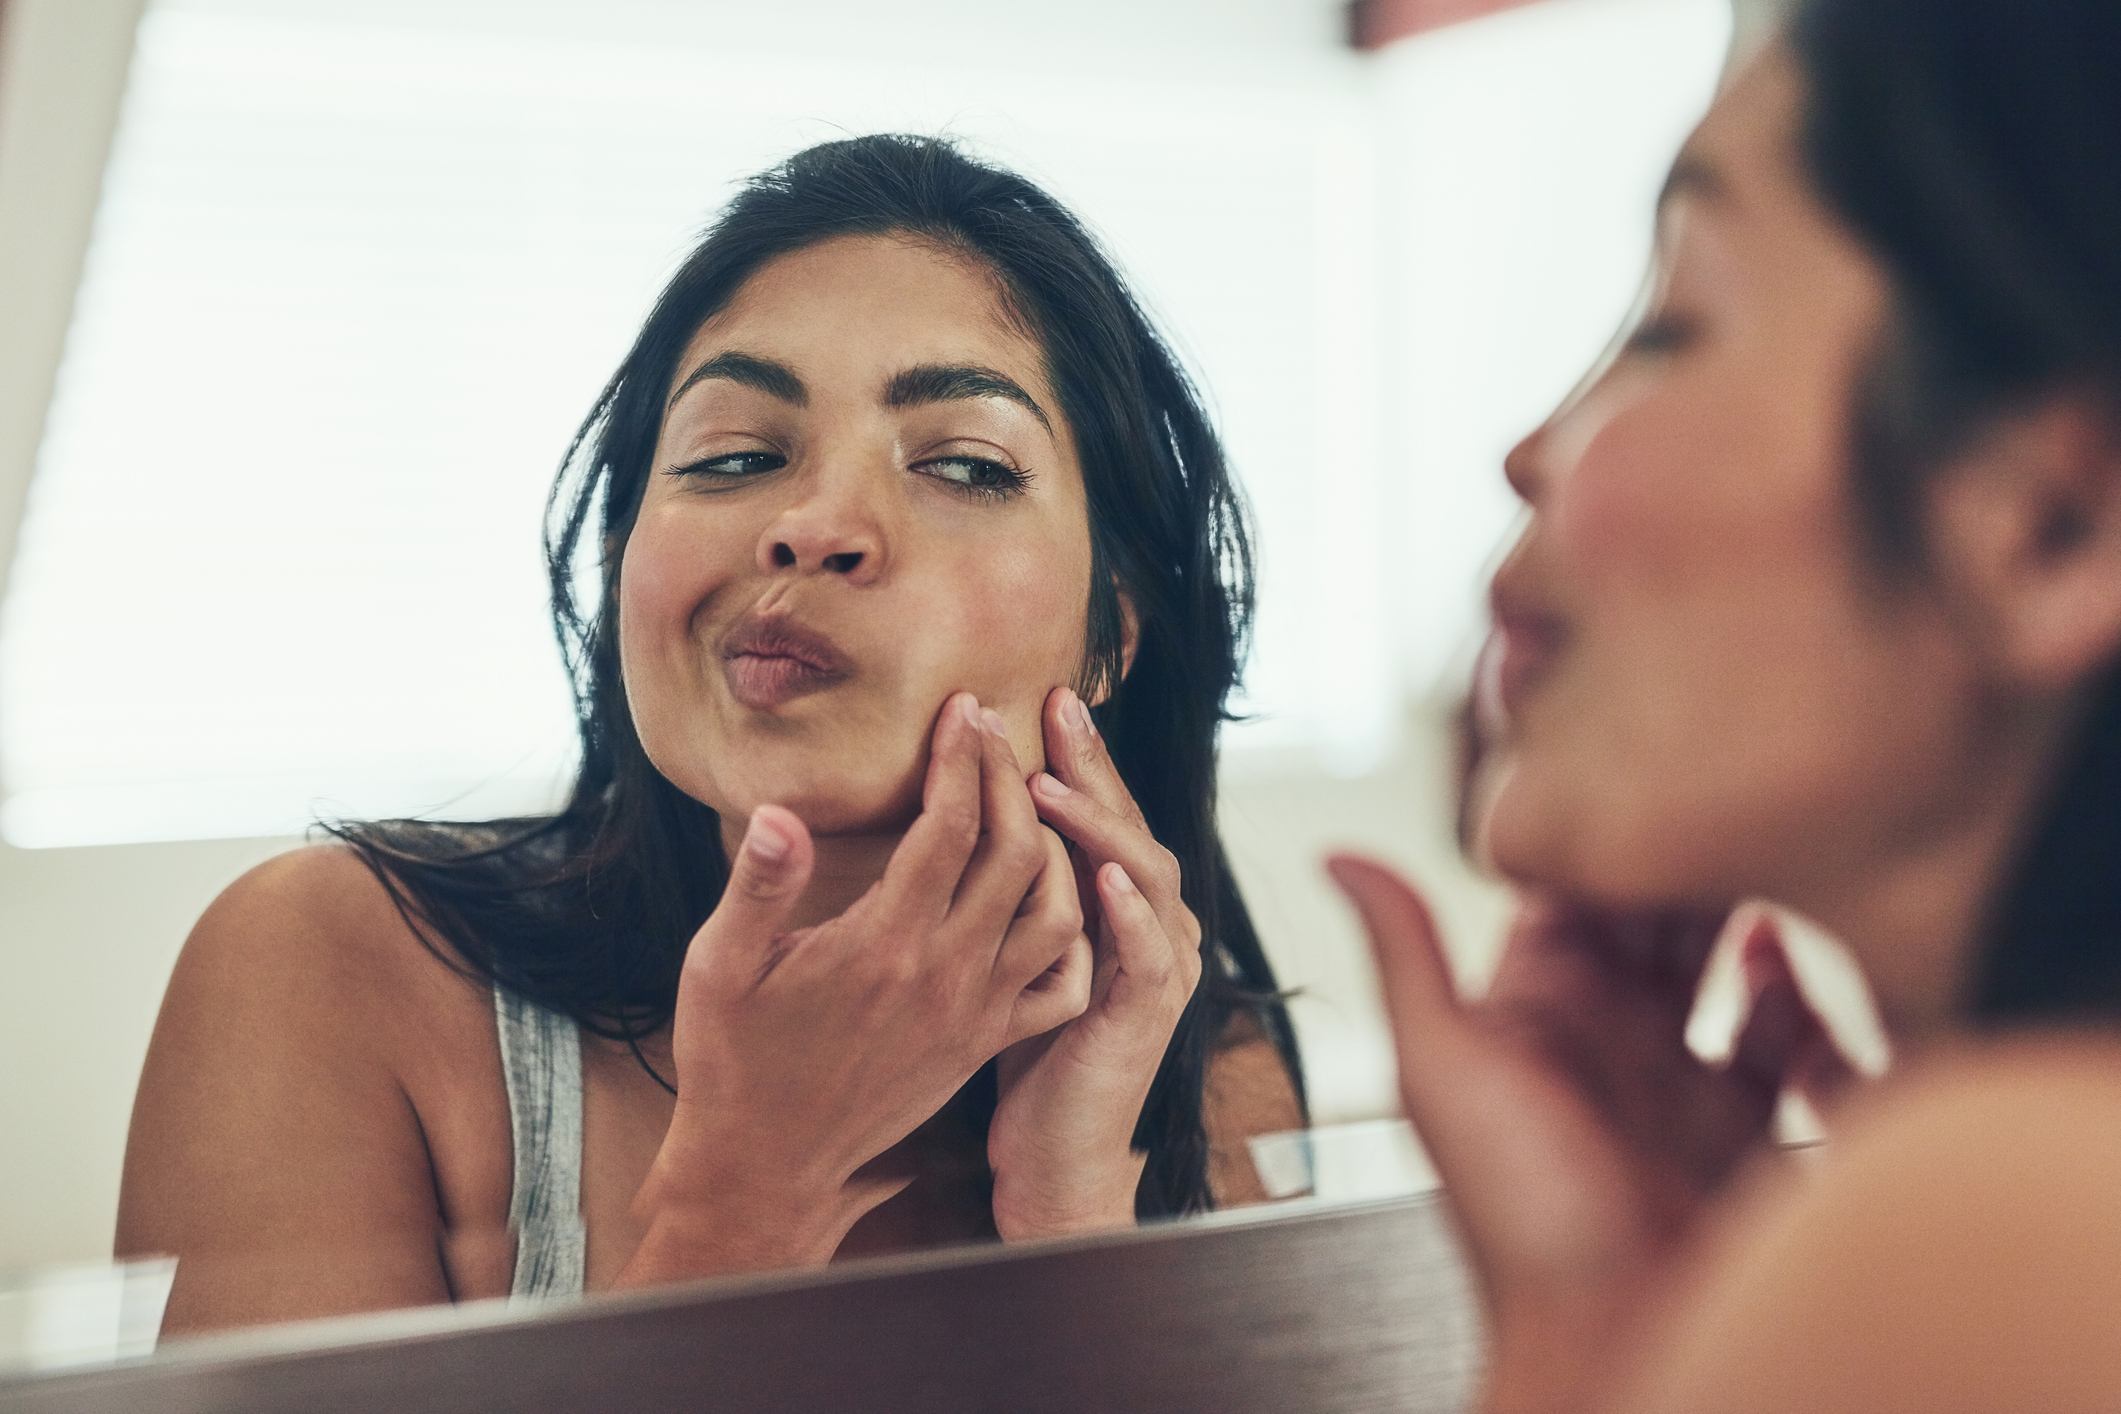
<point>949,383</point>
<point>773,379</point>
<point>1695,176</point>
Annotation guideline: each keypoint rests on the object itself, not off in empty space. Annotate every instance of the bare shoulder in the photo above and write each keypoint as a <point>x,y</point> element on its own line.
<point>310,946</point>
<point>1248,1091</point>
<point>317,904</point>
<point>1960,1247</point>
<point>313,1065</point>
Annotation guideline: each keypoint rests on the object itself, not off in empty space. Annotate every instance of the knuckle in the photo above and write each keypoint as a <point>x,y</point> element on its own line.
<point>896,968</point>
<point>1024,855</point>
<point>1090,751</point>
<point>760,887</point>
<point>958,822</point>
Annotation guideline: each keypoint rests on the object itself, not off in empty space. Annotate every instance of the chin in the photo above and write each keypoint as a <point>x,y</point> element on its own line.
<point>847,801</point>
<point>1541,835</point>
<point>843,814</point>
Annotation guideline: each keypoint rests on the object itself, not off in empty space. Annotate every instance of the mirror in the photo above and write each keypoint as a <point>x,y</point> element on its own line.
<point>406,244</point>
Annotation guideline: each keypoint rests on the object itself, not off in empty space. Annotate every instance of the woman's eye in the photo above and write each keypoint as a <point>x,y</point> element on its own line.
<point>732,466</point>
<point>976,474</point>
<point>1664,334</point>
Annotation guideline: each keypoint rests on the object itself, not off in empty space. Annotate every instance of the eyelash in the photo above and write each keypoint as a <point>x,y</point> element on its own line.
<point>707,466</point>
<point>1011,482</point>
<point>1005,481</point>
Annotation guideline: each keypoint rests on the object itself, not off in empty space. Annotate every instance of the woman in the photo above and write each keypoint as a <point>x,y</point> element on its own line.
<point>859,932</point>
<point>1820,600</point>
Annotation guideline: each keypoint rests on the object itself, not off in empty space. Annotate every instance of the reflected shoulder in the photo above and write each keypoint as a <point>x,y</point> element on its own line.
<point>318,909</point>
<point>1247,1092</point>
<point>315,1081</point>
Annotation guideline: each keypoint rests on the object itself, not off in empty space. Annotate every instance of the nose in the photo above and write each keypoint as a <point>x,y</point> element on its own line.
<point>1525,467</point>
<point>832,529</point>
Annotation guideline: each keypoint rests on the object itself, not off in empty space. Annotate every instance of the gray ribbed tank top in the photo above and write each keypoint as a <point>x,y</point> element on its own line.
<point>541,1059</point>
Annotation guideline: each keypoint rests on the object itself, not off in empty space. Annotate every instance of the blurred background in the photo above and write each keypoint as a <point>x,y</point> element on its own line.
<point>301,301</point>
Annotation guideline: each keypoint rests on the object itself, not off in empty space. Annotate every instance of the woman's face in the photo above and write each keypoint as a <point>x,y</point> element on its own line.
<point>863,500</point>
<point>1709,692</point>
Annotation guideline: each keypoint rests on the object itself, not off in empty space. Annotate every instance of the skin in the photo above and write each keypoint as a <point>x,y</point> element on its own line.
<point>934,863</point>
<point>753,493</point>
<point>1710,689</point>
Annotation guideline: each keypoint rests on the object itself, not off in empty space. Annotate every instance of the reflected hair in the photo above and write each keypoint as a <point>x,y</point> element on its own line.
<point>588,912</point>
<point>1974,147</point>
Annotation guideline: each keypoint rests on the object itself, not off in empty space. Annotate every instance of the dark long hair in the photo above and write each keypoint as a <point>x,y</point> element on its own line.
<point>1974,146</point>
<point>588,912</point>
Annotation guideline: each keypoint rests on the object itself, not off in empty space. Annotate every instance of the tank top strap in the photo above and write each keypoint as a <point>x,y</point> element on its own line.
<point>541,1060</point>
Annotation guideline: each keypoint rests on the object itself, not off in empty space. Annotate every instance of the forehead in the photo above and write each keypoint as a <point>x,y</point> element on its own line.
<point>1741,167</point>
<point>863,307</point>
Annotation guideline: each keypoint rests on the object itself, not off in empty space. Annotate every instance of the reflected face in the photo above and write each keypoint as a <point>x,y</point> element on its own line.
<point>863,500</point>
<point>1709,693</point>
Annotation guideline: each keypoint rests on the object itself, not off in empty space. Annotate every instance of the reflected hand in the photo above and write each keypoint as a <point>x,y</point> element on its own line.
<point>802,1055</point>
<point>1061,1142</point>
<point>1579,1140</point>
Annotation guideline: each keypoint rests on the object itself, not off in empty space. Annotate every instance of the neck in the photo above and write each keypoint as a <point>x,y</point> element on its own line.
<point>846,866</point>
<point>1917,913</point>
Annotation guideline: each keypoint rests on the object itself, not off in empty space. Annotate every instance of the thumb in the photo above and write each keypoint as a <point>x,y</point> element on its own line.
<point>1420,996</point>
<point>768,875</point>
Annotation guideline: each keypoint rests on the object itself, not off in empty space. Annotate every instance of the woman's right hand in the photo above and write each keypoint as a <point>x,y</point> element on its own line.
<point>1579,1140</point>
<point>802,1055</point>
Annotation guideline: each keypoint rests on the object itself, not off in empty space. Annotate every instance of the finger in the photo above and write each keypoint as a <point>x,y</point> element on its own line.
<point>924,870</point>
<point>1107,836</point>
<point>1056,996</point>
<point>1049,918</point>
<point>1148,955</point>
<point>1420,996</point>
<point>768,875</point>
<point>1013,851</point>
<point>1076,755</point>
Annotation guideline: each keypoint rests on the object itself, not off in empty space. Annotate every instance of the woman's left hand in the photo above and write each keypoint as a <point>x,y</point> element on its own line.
<point>1061,1142</point>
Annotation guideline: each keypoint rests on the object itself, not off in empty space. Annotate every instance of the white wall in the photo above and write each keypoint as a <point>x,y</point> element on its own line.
<point>70,1040</point>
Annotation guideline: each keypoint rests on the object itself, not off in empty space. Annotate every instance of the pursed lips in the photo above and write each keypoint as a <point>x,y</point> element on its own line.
<point>771,661</point>
<point>1530,641</point>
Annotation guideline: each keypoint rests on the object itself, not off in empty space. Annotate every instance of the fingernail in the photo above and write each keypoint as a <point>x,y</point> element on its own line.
<point>991,722</point>
<point>1120,882</point>
<point>968,708</point>
<point>1050,786</point>
<point>765,841</point>
<point>1072,709</point>
<point>1084,722</point>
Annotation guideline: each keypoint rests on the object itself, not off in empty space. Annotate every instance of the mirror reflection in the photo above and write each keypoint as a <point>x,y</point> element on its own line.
<point>870,868</point>
<point>902,533</point>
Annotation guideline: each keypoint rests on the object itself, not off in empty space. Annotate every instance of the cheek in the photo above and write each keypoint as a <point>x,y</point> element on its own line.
<point>673,563</point>
<point>1670,497</point>
<point>651,580</point>
<point>1010,625</point>
<point>1720,695</point>
<point>1703,537</point>
<point>1024,615</point>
